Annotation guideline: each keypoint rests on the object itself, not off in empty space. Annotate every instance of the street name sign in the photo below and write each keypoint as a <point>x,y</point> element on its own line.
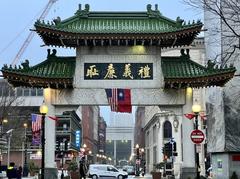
<point>197,136</point>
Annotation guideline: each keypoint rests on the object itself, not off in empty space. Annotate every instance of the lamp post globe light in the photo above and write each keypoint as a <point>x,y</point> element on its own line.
<point>196,108</point>
<point>43,111</point>
<point>25,166</point>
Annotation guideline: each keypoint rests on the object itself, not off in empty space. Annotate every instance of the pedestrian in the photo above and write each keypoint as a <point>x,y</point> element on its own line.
<point>82,169</point>
<point>19,172</point>
<point>12,171</point>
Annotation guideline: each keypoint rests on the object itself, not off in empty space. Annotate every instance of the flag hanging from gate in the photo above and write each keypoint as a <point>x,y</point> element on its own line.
<point>55,118</point>
<point>203,116</point>
<point>189,115</point>
<point>119,99</point>
<point>36,122</point>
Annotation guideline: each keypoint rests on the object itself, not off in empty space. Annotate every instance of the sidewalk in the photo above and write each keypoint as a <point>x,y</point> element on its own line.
<point>146,176</point>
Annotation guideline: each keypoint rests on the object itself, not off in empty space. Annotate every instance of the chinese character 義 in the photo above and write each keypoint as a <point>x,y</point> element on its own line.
<point>127,71</point>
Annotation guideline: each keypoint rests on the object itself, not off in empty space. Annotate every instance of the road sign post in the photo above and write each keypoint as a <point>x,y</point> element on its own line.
<point>197,136</point>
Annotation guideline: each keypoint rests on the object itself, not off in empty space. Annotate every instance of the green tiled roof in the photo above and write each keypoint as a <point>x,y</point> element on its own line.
<point>182,72</point>
<point>54,72</point>
<point>118,25</point>
<point>58,72</point>
<point>86,25</point>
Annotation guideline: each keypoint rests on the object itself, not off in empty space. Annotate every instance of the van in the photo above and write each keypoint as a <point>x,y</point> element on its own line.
<point>104,170</point>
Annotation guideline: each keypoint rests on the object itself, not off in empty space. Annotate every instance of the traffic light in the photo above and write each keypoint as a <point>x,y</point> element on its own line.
<point>168,149</point>
<point>138,155</point>
<point>163,150</point>
<point>58,146</point>
<point>174,146</point>
<point>66,145</point>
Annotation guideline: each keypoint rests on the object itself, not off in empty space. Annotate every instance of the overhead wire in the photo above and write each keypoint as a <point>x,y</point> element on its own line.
<point>19,34</point>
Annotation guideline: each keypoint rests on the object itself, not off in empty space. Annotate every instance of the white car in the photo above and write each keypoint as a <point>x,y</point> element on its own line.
<point>104,170</point>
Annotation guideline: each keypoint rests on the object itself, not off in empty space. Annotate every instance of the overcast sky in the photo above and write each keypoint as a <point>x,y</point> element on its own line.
<point>18,16</point>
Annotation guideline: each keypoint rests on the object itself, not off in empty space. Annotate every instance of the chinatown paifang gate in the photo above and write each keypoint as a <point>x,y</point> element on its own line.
<point>118,50</point>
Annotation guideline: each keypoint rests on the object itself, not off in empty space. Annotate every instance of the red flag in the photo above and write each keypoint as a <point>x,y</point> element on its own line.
<point>119,99</point>
<point>203,117</point>
<point>53,118</point>
<point>189,116</point>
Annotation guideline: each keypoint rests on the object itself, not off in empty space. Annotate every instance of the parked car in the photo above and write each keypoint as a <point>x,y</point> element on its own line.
<point>104,170</point>
<point>129,169</point>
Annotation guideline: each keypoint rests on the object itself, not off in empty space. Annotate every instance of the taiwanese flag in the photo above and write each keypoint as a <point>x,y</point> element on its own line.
<point>119,99</point>
<point>189,116</point>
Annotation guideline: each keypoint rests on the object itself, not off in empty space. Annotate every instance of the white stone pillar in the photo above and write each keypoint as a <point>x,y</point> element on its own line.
<point>50,166</point>
<point>132,146</point>
<point>188,146</point>
<point>115,152</point>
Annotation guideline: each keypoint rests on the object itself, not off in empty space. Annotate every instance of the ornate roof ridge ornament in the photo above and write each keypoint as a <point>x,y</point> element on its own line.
<point>51,55</point>
<point>84,12</point>
<point>153,13</point>
<point>185,56</point>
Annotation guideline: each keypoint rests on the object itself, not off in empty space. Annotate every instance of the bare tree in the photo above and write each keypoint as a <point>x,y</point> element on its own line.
<point>9,103</point>
<point>228,14</point>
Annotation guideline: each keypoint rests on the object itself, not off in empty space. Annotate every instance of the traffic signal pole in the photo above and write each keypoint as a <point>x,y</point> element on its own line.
<point>172,160</point>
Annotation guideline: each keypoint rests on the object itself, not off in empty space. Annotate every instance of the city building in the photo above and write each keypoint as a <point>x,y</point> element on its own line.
<point>90,122</point>
<point>68,142</point>
<point>102,126</point>
<point>18,104</point>
<point>120,138</point>
<point>139,136</point>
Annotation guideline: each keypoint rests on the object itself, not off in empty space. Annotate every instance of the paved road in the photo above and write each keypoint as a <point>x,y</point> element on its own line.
<point>129,177</point>
<point>147,176</point>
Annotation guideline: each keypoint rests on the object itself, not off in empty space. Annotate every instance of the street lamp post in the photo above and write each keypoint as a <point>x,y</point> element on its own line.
<point>9,135</point>
<point>196,108</point>
<point>137,160</point>
<point>43,111</point>
<point>25,166</point>
<point>143,163</point>
<point>2,121</point>
<point>85,151</point>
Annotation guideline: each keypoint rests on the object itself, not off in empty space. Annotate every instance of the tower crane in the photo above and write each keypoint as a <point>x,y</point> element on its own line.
<point>31,34</point>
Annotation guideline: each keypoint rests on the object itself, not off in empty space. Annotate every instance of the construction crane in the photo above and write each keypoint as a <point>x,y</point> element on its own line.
<point>31,34</point>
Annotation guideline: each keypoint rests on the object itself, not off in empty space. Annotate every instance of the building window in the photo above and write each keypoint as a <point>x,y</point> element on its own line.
<point>148,156</point>
<point>11,92</point>
<point>39,92</point>
<point>19,91</point>
<point>154,134</point>
<point>154,154</point>
<point>26,92</point>
<point>167,130</point>
<point>147,139</point>
<point>33,92</point>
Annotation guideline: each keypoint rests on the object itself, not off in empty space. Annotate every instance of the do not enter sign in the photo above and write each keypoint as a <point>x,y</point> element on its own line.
<point>197,136</point>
